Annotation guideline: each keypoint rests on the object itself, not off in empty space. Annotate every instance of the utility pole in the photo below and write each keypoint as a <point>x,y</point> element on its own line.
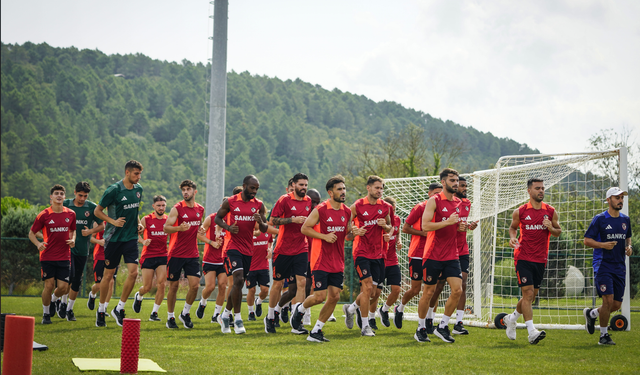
<point>217,108</point>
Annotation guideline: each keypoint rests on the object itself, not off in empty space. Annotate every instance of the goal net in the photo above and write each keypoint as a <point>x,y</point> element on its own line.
<point>575,185</point>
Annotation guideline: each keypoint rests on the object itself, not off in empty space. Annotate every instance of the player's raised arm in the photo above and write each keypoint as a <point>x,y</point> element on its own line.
<point>427,216</point>
<point>513,229</point>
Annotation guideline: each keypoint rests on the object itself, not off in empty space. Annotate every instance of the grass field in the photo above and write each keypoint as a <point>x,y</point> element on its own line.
<point>204,349</point>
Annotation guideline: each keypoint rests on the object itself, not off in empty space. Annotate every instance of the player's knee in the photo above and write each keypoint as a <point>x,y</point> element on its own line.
<point>133,274</point>
<point>456,292</point>
<point>333,298</point>
<point>161,285</point>
<point>415,289</point>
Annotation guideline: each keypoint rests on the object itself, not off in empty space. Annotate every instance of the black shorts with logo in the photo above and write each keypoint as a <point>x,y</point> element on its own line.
<point>258,277</point>
<point>415,269</point>
<point>322,279</point>
<point>98,270</point>
<point>530,273</point>
<point>78,262</point>
<point>58,269</point>
<point>434,269</point>
<point>113,251</point>
<point>392,275</point>
<point>217,268</point>
<point>191,267</point>
<point>464,263</point>
<point>286,266</point>
<point>235,261</point>
<point>373,268</point>
<point>153,263</point>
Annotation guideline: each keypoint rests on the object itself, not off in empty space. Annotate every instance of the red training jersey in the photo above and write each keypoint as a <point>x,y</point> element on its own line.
<point>534,237</point>
<point>443,246</point>
<point>185,244</point>
<point>371,245</point>
<point>211,254</point>
<point>260,246</point>
<point>98,251</point>
<point>416,247</point>
<point>241,214</point>
<point>463,245</point>
<point>391,256</point>
<point>330,256</point>
<point>290,240</point>
<point>154,230</point>
<point>55,228</point>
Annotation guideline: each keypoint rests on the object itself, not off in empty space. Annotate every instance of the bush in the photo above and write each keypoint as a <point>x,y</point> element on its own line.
<point>20,258</point>
<point>505,281</point>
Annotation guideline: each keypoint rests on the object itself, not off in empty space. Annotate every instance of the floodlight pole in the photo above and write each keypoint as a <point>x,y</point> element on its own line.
<point>624,185</point>
<point>217,108</point>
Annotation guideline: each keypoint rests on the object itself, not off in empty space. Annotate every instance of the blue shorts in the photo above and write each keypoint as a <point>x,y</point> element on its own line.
<point>610,283</point>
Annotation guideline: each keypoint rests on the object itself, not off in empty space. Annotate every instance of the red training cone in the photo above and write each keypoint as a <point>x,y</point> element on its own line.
<point>130,346</point>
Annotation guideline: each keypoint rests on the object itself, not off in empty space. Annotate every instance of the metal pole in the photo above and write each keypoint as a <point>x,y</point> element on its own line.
<point>624,185</point>
<point>217,108</point>
<point>477,251</point>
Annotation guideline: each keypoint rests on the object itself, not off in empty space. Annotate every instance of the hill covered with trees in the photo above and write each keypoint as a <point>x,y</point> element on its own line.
<point>70,115</point>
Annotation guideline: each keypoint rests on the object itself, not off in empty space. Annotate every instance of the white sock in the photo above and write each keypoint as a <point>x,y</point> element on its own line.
<point>155,308</point>
<point>237,317</point>
<point>45,309</point>
<point>120,306</point>
<point>70,305</point>
<point>106,306</point>
<point>422,323</point>
<point>54,298</point>
<point>317,327</point>
<point>307,312</point>
<point>217,310</point>
<point>603,330</point>
<point>372,315</point>
<point>139,297</point>
<point>430,313</point>
<point>515,315</point>
<point>102,307</point>
<point>65,298</point>
<point>277,308</point>
<point>459,315</point>
<point>251,309</point>
<point>226,313</point>
<point>171,315</point>
<point>271,313</point>
<point>444,322</point>
<point>258,301</point>
<point>365,323</point>
<point>530,327</point>
<point>92,295</point>
<point>595,313</point>
<point>400,307</point>
<point>203,301</point>
<point>186,309</point>
<point>353,307</point>
<point>385,307</point>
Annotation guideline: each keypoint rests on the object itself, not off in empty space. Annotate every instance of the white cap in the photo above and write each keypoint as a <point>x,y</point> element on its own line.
<point>614,191</point>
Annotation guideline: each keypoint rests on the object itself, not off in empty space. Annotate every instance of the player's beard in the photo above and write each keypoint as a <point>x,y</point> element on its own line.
<point>188,198</point>
<point>461,195</point>
<point>617,208</point>
<point>248,195</point>
<point>340,198</point>
<point>538,198</point>
<point>301,193</point>
<point>160,213</point>
<point>451,189</point>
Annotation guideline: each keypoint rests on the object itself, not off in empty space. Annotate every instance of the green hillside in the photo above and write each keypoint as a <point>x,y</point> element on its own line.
<point>66,117</point>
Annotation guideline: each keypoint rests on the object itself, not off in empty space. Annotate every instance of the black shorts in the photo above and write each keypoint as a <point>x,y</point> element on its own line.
<point>113,251</point>
<point>415,269</point>
<point>464,263</point>
<point>58,269</point>
<point>433,269</point>
<point>392,275</point>
<point>98,270</point>
<point>78,262</point>
<point>287,266</point>
<point>373,268</point>
<point>322,280</point>
<point>217,268</point>
<point>530,273</point>
<point>191,267</point>
<point>258,277</point>
<point>235,261</point>
<point>610,283</point>
<point>153,263</point>
<point>292,278</point>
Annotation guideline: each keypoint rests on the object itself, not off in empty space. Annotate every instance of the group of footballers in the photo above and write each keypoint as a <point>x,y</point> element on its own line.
<point>308,255</point>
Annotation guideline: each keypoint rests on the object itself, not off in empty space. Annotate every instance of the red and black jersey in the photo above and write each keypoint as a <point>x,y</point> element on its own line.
<point>290,240</point>
<point>154,230</point>
<point>241,213</point>
<point>56,227</point>
<point>444,245</point>
<point>260,248</point>
<point>329,257</point>
<point>463,245</point>
<point>185,244</point>
<point>416,247</point>
<point>371,245</point>
<point>211,254</point>
<point>391,256</point>
<point>534,236</point>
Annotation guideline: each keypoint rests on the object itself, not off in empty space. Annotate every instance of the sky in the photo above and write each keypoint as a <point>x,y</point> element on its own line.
<point>546,73</point>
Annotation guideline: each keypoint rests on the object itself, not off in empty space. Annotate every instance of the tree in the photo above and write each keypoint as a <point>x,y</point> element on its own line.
<point>608,139</point>
<point>444,147</point>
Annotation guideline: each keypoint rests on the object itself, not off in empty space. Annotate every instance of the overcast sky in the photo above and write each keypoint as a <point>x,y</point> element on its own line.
<point>546,73</point>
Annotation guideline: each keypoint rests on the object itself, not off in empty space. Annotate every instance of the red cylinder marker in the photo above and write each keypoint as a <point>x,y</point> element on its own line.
<point>130,346</point>
<point>18,344</point>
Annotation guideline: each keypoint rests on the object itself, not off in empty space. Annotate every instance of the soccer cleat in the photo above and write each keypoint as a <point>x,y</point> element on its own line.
<point>200,311</point>
<point>118,315</point>
<point>171,323</point>
<point>252,317</point>
<point>348,317</point>
<point>367,331</point>
<point>154,317</point>
<point>397,318</point>
<point>276,319</point>
<point>604,340</point>
<point>429,323</point>
<point>384,317</point>
<point>590,324</point>
<point>307,318</point>
<point>230,323</point>
<point>459,329</point>
<point>358,318</point>
<point>62,310</point>
<point>238,327</point>
<point>536,336</point>
<point>258,308</point>
<point>332,318</point>
<point>46,319</point>
<point>443,334</point>
<point>71,317</point>
<point>296,319</point>
<point>317,337</point>
<point>214,318</point>
<point>137,305</point>
<point>421,335</point>
<point>269,325</point>
<point>186,320</point>
<point>511,327</point>
<point>56,306</point>
<point>224,324</point>
<point>284,314</point>
<point>100,321</point>
<point>372,324</point>
<point>91,302</point>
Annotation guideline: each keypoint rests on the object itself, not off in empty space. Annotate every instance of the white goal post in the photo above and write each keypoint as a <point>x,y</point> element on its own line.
<point>575,185</point>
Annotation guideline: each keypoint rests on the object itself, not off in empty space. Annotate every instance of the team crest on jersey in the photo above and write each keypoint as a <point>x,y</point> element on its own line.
<point>106,262</point>
<point>307,208</point>
<point>603,288</point>
<point>467,207</point>
<point>198,214</point>
<point>457,209</point>
<point>234,263</point>
<point>524,280</point>
<point>342,218</point>
<point>318,284</point>
<point>138,195</point>
<point>546,217</point>
<point>86,213</point>
<point>253,209</point>
<point>624,226</point>
<point>380,211</point>
<point>66,219</point>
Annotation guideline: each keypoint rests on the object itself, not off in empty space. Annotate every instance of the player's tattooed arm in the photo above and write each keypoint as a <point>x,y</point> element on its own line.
<point>281,220</point>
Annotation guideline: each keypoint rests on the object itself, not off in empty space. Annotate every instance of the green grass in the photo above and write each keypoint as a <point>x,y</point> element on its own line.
<point>204,349</point>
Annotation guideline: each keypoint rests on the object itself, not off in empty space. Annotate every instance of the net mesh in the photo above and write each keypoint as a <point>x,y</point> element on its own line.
<point>575,185</point>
